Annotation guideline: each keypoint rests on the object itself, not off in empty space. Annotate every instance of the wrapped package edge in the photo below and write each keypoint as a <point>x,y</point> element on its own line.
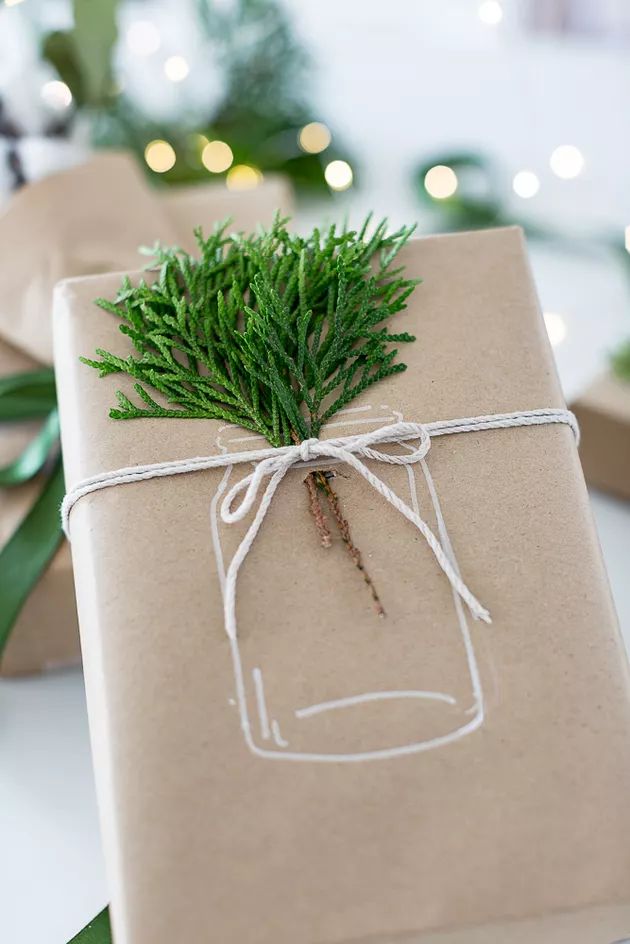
<point>122,733</point>
<point>72,224</point>
<point>603,412</point>
<point>46,634</point>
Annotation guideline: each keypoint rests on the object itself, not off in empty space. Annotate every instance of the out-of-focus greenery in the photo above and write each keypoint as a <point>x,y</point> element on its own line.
<point>82,56</point>
<point>266,77</point>
<point>480,202</point>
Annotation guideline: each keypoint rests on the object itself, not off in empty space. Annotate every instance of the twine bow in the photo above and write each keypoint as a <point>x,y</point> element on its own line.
<point>274,463</point>
<point>351,450</point>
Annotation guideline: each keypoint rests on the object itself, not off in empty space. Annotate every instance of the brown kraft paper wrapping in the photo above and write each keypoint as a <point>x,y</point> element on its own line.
<point>90,218</point>
<point>94,218</point>
<point>45,634</point>
<point>516,814</point>
<point>603,412</point>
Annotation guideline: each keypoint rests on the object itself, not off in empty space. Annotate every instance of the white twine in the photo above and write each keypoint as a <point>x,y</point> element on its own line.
<point>274,463</point>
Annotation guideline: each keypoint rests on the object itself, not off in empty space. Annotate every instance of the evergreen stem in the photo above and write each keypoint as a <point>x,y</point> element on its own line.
<point>316,511</point>
<point>344,530</point>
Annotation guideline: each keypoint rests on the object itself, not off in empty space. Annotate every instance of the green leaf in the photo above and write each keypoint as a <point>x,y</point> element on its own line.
<point>98,931</point>
<point>28,551</point>
<point>95,34</point>
<point>34,457</point>
<point>82,56</point>
<point>60,50</point>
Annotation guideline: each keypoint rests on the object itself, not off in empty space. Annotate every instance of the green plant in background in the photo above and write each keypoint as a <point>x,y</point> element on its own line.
<point>620,361</point>
<point>82,56</point>
<point>261,114</point>
<point>476,201</point>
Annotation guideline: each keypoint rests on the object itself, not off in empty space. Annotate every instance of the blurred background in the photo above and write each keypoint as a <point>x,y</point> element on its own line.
<point>452,113</point>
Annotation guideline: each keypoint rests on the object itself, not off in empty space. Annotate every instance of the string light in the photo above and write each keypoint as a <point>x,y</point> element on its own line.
<point>556,327</point>
<point>567,161</point>
<point>56,95</point>
<point>243,177</point>
<point>338,175</point>
<point>490,12</point>
<point>440,182</point>
<point>217,156</point>
<point>176,68</point>
<point>314,137</point>
<point>160,156</point>
<point>526,184</point>
<point>627,238</point>
<point>143,38</point>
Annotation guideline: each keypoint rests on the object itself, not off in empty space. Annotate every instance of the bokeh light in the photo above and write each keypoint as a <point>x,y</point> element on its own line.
<point>440,182</point>
<point>56,95</point>
<point>217,156</point>
<point>314,137</point>
<point>243,177</point>
<point>143,38</point>
<point>338,175</point>
<point>176,68</point>
<point>567,161</point>
<point>160,156</point>
<point>526,184</point>
<point>490,12</point>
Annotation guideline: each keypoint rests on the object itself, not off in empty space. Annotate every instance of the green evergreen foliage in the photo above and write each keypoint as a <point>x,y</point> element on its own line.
<point>273,331</point>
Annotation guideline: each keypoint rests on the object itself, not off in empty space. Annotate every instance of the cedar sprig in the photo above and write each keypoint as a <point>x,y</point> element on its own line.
<point>273,331</point>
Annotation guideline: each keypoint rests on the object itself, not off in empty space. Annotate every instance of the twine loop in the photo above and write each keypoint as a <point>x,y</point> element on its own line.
<point>272,464</point>
<point>347,449</point>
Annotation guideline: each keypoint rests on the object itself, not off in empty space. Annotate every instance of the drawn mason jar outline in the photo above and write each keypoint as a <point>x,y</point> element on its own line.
<point>265,723</point>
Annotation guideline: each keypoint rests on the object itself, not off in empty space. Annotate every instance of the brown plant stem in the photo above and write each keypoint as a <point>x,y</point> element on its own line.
<point>344,530</point>
<point>316,511</point>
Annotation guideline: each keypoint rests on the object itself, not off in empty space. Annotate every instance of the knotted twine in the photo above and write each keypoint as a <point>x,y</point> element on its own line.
<point>273,463</point>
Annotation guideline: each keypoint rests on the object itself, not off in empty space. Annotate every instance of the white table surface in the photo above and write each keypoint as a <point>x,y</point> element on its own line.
<point>469,86</point>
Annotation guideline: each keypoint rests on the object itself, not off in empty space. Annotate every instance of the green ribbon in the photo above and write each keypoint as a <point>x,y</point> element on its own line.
<point>27,396</point>
<point>34,457</point>
<point>98,931</point>
<point>23,559</point>
<point>30,548</point>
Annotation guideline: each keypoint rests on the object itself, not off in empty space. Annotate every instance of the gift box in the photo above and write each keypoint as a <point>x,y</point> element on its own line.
<point>88,219</point>
<point>319,774</point>
<point>45,634</point>
<point>94,218</point>
<point>603,411</point>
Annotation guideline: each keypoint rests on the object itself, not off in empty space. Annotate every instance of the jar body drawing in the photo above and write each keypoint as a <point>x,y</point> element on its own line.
<point>317,675</point>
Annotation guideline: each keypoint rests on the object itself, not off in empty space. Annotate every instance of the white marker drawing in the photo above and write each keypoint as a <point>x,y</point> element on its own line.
<point>262,733</point>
